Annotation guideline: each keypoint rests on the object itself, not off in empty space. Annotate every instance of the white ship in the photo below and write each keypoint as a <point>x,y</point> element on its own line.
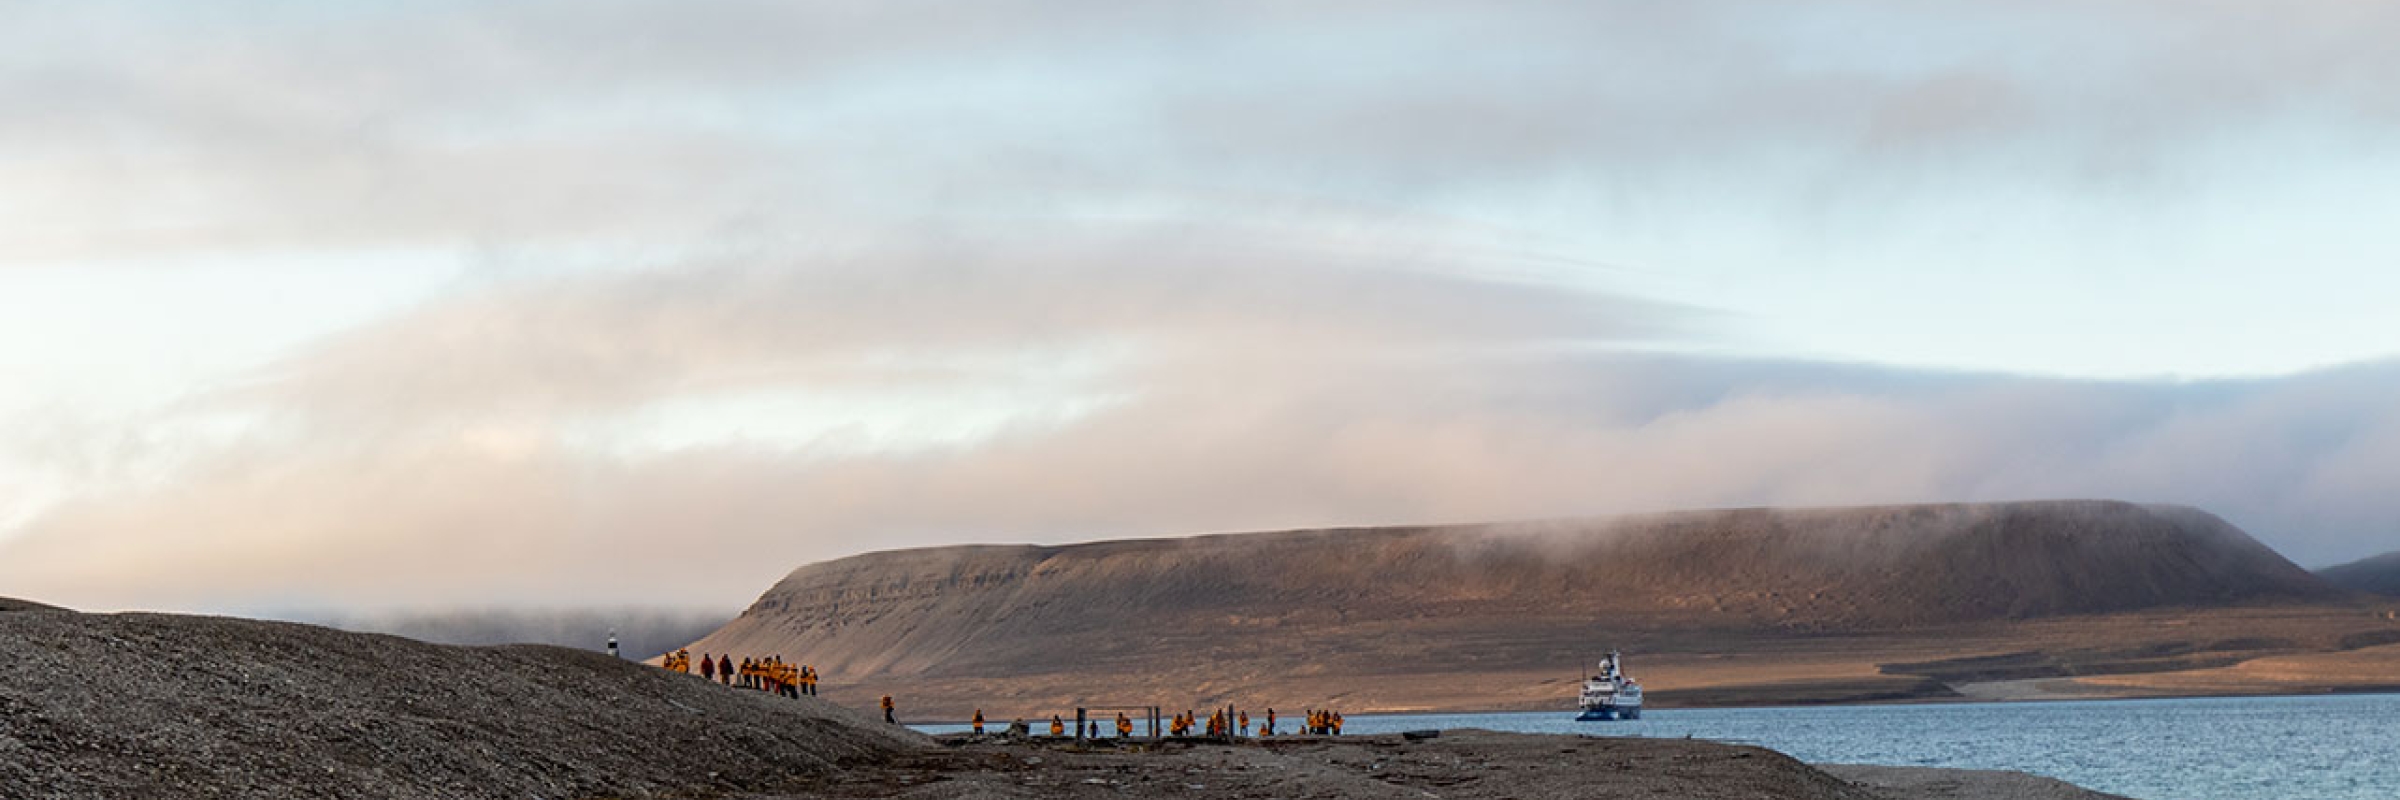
<point>1610,695</point>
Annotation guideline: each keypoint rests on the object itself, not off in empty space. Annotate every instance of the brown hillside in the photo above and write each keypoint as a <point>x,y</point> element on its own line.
<point>1483,597</point>
<point>153,705</point>
<point>2377,575</point>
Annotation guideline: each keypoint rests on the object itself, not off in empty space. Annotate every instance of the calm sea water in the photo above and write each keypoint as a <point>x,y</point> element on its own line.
<point>2275,748</point>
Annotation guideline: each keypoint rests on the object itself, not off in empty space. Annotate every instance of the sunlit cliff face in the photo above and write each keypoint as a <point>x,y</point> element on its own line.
<point>598,303</point>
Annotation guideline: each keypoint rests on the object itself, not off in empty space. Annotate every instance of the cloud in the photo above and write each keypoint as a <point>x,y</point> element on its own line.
<point>157,131</point>
<point>754,284</point>
<point>930,317</point>
<point>461,453</point>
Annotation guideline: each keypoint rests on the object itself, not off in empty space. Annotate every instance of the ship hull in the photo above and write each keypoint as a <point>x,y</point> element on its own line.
<point>1609,713</point>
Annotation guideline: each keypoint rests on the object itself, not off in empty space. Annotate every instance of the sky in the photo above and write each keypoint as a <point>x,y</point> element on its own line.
<point>376,306</point>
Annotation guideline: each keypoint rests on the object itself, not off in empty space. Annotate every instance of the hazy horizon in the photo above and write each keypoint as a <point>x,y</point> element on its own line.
<point>364,308</point>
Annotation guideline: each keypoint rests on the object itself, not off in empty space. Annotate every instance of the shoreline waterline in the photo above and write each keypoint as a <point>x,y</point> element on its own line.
<point>2393,690</point>
<point>2323,746</point>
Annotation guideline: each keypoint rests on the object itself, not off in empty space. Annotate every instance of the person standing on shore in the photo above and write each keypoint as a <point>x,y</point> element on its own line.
<point>725,669</point>
<point>979,722</point>
<point>708,667</point>
<point>1269,729</point>
<point>887,710</point>
<point>1124,726</point>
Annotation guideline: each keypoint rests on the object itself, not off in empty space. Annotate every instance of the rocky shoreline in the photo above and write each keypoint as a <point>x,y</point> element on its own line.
<point>1469,764</point>
<point>154,705</point>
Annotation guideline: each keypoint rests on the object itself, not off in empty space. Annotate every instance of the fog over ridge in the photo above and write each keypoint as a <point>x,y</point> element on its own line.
<point>456,453</point>
<point>378,307</point>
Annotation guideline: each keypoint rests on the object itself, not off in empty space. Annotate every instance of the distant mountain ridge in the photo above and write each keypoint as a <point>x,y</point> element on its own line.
<point>2376,574</point>
<point>641,633</point>
<point>1495,596</point>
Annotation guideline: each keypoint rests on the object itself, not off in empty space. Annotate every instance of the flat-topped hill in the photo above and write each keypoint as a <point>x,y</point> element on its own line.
<point>1495,596</point>
<point>153,705</point>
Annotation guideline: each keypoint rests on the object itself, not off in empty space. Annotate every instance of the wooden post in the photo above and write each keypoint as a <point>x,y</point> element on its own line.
<point>1079,725</point>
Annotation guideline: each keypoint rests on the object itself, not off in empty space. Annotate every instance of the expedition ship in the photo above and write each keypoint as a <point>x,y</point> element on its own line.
<point>1610,695</point>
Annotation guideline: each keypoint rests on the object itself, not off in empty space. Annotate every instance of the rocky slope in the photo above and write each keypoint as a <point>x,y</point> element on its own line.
<point>150,705</point>
<point>1278,607</point>
<point>2376,575</point>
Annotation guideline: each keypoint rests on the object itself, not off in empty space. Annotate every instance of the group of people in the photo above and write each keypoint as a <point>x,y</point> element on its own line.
<point>768,674</point>
<point>1320,722</point>
<point>1058,726</point>
<point>1183,723</point>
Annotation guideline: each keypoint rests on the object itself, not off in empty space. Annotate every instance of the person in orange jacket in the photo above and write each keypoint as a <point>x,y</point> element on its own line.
<point>1124,726</point>
<point>1058,727</point>
<point>979,722</point>
<point>887,710</point>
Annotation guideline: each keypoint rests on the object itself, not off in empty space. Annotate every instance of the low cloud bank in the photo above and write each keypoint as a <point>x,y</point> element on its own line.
<point>462,454</point>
